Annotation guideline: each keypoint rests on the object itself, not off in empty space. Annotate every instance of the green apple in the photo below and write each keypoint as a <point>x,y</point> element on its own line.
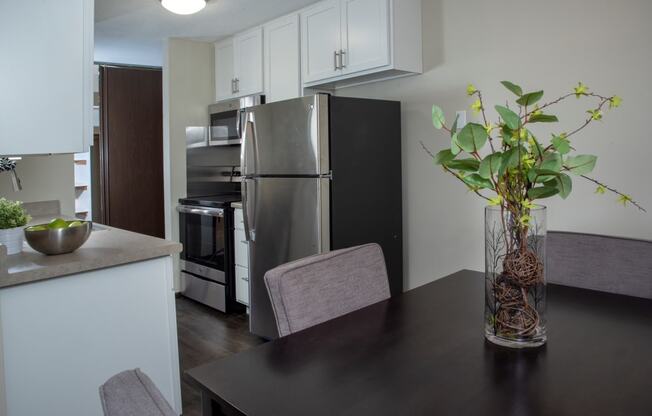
<point>57,223</point>
<point>75,224</point>
<point>37,228</point>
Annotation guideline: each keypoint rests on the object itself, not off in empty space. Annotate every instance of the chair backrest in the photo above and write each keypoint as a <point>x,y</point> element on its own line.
<point>132,393</point>
<point>316,289</point>
<point>609,264</point>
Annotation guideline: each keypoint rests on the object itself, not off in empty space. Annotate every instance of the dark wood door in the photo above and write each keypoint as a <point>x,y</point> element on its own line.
<point>131,149</point>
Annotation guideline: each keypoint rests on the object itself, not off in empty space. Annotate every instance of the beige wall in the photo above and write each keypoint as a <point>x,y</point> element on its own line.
<point>188,89</point>
<point>43,178</point>
<point>539,44</point>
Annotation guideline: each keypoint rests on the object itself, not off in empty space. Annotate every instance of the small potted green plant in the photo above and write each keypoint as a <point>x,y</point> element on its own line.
<point>13,219</point>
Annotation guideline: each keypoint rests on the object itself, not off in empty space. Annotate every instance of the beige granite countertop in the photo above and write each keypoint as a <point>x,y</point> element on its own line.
<point>106,247</point>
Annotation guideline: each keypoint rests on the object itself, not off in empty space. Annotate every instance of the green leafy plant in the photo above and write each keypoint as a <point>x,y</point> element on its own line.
<point>512,169</point>
<point>12,214</point>
<point>518,167</point>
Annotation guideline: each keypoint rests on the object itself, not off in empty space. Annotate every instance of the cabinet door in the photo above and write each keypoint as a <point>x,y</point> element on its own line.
<point>46,58</point>
<point>224,70</point>
<point>320,40</point>
<point>242,285</point>
<point>365,34</point>
<point>248,55</point>
<point>282,64</point>
<point>241,252</point>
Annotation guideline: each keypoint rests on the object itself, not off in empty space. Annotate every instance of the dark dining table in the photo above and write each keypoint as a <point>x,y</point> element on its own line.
<point>424,353</point>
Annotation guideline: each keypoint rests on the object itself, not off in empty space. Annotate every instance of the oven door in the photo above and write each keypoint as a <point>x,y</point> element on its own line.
<point>203,234</point>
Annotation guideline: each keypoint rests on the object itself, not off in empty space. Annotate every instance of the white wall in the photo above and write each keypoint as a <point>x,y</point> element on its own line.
<point>188,89</point>
<point>44,178</point>
<point>548,45</point>
<point>129,52</point>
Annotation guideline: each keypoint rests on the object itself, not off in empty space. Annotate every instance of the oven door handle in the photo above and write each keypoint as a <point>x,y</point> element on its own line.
<point>211,212</point>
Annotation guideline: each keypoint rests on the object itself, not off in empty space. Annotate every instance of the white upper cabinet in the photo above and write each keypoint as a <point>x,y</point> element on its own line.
<point>248,57</point>
<point>224,78</point>
<point>321,41</point>
<point>347,42</point>
<point>239,65</point>
<point>46,70</point>
<point>281,59</point>
<point>365,34</point>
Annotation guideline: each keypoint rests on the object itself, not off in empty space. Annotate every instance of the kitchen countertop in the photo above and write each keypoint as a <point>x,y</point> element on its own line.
<point>106,247</point>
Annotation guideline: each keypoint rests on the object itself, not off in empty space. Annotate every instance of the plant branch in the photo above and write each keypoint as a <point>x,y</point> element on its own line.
<point>486,123</point>
<point>588,121</point>
<point>615,191</point>
<point>423,145</point>
<point>475,191</point>
<point>548,104</point>
<point>451,172</point>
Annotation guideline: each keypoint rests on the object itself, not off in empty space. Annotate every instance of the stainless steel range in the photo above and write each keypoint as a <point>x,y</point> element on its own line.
<point>205,225</point>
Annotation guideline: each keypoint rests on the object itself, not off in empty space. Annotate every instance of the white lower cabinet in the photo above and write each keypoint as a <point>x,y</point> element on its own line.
<point>60,339</point>
<point>241,249</point>
<point>242,285</point>
<point>241,256</point>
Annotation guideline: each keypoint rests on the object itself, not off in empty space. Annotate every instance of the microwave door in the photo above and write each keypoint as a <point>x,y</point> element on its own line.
<point>224,128</point>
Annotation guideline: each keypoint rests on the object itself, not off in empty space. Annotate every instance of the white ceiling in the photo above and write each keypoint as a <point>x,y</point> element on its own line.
<point>132,31</point>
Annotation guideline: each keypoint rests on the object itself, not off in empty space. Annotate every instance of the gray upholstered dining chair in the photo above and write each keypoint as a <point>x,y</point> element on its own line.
<point>598,262</point>
<point>132,393</point>
<point>316,289</point>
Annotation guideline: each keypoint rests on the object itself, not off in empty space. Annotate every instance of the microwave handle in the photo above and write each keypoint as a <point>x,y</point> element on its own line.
<point>239,122</point>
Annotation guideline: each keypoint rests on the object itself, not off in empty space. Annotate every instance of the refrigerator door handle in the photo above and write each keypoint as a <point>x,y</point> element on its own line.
<point>247,202</point>
<point>248,149</point>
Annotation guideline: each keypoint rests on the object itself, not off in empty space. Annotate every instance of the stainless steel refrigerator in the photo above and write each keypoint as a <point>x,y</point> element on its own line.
<point>319,173</point>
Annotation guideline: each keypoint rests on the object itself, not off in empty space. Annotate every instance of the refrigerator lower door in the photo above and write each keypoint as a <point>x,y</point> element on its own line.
<point>286,219</point>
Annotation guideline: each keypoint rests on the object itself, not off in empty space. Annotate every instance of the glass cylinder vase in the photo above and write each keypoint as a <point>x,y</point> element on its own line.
<point>515,276</point>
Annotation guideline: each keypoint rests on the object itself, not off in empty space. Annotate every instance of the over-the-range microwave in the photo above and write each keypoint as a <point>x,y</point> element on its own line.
<point>225,123</point>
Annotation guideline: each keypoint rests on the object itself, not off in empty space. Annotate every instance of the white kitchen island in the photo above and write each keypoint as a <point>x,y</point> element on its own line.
<point>69,322</point>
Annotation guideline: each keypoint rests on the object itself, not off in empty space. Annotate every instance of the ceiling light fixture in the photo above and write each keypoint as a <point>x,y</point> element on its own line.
<point>183,6</point>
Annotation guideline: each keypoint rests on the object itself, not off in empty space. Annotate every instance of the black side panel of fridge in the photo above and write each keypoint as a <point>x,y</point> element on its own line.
<point>366,190</point>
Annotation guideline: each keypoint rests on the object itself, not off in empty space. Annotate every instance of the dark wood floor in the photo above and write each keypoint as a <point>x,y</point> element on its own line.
<point>204,336</point>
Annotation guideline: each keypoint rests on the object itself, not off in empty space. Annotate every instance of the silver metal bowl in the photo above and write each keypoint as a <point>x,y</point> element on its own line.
<point>58,240</point>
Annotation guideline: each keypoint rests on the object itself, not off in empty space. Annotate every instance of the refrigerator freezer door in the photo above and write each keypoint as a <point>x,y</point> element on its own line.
<point>286,138</point>
<point>289,218</point>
